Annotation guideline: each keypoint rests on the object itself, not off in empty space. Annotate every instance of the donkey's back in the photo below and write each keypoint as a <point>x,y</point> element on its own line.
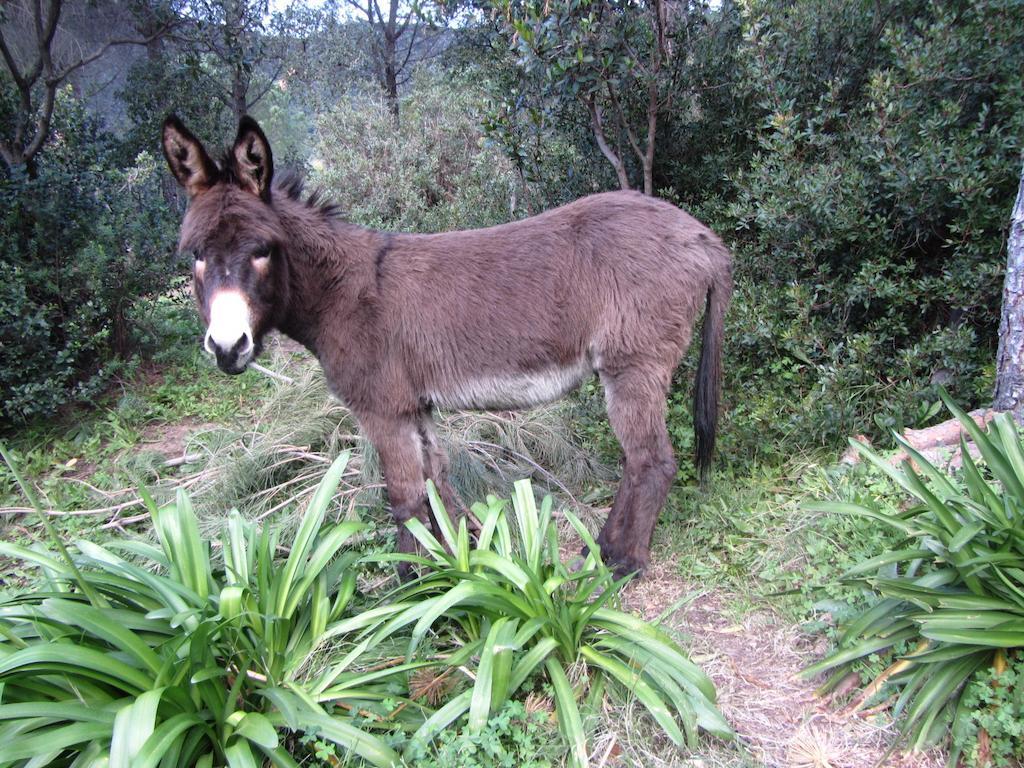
<point>518,314</point>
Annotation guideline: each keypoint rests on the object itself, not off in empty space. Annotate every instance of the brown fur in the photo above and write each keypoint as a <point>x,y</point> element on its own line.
<point>505,317</point>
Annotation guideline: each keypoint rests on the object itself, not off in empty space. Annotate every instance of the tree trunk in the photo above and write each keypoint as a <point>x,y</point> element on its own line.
<point>391,73</point>
<point>391,32</point>
<point>647,161</point>
<point>602,144</point>
<point>1009,394</point>
<point>239,91</point>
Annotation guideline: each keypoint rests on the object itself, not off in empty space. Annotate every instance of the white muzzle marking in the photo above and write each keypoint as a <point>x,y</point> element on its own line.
<point>230,320</point>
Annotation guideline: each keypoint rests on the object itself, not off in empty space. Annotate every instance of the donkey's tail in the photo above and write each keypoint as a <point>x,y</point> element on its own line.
<point>709,375</point>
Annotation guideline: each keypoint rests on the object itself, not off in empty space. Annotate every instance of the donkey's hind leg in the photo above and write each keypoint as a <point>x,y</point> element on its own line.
<point>636,409</point>
<point>398,443</point>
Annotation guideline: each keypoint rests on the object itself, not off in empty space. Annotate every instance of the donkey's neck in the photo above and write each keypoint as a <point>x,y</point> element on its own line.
<point>330,268</point>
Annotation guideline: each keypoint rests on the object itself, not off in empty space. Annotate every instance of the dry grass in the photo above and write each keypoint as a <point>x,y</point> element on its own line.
<point>274,461</point>
<point>754,659</point>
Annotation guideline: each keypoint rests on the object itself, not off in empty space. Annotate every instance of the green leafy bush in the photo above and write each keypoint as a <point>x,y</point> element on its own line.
<point>157,656</point>
<point>869,222</point>
<point>81,247</point>
<point>951,599</point>
<point>432,173</point>
<point>509,608</point>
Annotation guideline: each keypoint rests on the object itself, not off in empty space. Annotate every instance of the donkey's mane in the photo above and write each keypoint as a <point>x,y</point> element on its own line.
<point>293,185</point>
<point>290,183</point>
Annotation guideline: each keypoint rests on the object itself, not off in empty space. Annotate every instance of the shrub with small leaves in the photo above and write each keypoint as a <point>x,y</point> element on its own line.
<point>994,734</point>
<point>513,737</point>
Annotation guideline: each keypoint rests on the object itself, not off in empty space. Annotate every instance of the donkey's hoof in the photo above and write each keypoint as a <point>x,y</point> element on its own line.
<point>626,566</point>
<point>406,572</point>
<point>609,554</point>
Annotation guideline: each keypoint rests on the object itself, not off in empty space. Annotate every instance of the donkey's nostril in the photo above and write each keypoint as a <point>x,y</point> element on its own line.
<point>244,345</point>
<point>224,352</point>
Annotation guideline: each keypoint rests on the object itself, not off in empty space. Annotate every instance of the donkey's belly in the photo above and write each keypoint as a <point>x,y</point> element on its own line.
<point>511,391</point>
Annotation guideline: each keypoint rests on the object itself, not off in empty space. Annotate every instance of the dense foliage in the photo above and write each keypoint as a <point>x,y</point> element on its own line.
<point>81,241</point>
<point>870,219</point>
<point>860,158</point>
<point>430,174</point>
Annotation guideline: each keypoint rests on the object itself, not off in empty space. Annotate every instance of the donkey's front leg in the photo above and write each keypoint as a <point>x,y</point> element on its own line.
<point>436,463</point>
<point>398,443</point>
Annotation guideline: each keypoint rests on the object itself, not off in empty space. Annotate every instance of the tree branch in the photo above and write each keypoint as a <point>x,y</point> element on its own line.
<point>405,24</point>
<point>12,66</point>
<point>43,123</point>
<point>86,60</point>
<point>266,89</point>
<point>624,123</point>
<point>409,49</point>
<point>595,121</point>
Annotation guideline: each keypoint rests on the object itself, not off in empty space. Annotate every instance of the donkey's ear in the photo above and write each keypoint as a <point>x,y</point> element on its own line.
<point>252,159</point>
<point>190,164</point>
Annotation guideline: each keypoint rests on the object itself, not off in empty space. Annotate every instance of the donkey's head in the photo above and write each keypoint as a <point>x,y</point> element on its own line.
<point>234,237</point>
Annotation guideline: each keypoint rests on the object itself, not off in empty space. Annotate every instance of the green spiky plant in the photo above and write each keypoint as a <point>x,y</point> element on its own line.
<point>950,604</point>
<point>137,655</point>
<point>507,607</point>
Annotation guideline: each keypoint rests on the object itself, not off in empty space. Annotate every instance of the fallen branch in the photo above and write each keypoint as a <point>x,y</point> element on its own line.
<point>272,374</point>
<point>939,443</point>
<point>947,433</point>
<point>72,512</point>
<point>188,458</point>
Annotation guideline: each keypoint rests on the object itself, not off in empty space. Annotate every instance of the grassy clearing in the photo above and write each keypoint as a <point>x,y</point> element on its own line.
<point>87,455</point>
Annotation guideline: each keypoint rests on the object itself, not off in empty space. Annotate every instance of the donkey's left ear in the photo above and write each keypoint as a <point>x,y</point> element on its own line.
<point>252,159</point>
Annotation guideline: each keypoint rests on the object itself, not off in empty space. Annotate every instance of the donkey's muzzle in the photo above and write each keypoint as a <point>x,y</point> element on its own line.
<point>233,359</point>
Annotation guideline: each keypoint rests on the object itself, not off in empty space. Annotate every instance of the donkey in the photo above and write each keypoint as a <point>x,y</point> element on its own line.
<point>501,318</point>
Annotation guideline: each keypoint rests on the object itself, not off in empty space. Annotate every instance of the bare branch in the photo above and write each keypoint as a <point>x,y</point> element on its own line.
<point>270,84</point>
<point>42,123</point>
<point>12,66</point>
<point>410,48</point>
<point>624,123</point>
<point>375,6</point>
<point>405,23</point>
<point>46,38</point>
<point>86,60</point>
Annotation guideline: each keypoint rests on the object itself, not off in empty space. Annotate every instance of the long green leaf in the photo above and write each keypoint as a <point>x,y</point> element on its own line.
<point>132,726</point>
<point>77,660</point>
<point>52,741</point>
<point>312,520</point>
<point>633,680</point>
<point>568,713</point>
<point>99,624</point>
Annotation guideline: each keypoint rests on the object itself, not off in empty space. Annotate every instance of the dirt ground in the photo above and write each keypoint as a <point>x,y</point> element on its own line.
<point>754,660</point>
